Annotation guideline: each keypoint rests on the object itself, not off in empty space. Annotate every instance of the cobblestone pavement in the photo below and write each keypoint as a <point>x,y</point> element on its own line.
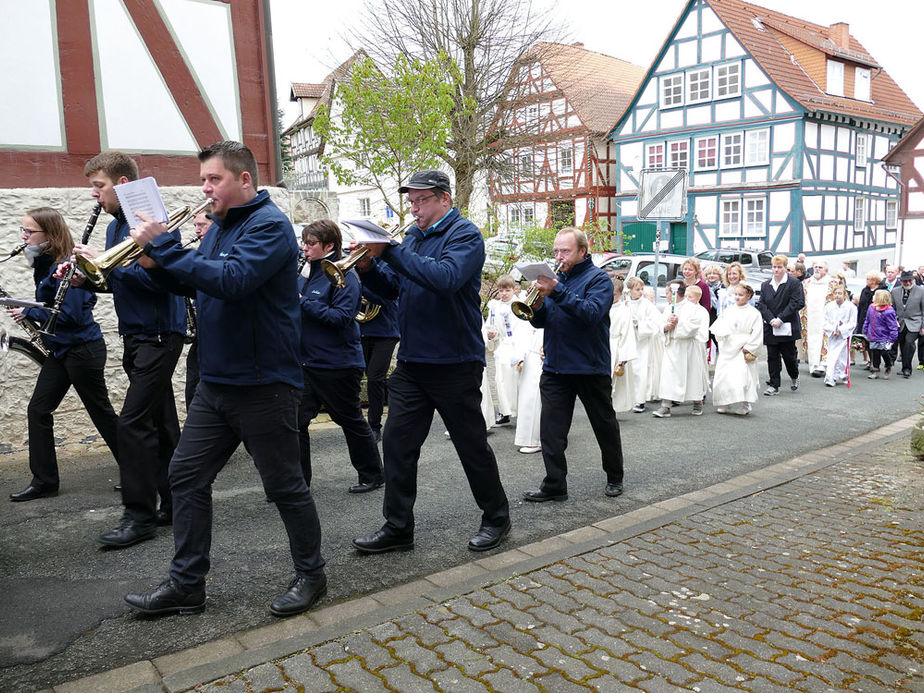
<point>815,584</point>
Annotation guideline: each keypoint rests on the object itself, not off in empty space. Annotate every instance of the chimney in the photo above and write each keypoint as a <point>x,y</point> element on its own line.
<point>840,34</point>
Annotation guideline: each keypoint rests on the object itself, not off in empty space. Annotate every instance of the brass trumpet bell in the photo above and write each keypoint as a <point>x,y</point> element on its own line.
<point>336,271</point>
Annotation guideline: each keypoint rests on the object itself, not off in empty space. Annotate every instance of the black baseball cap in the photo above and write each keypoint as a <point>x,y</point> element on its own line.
<point>424,180</point>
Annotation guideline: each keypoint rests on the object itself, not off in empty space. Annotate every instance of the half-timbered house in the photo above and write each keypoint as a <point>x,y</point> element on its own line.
<point>782,125</point>
<point>556,162</point>
<point>906,162</point>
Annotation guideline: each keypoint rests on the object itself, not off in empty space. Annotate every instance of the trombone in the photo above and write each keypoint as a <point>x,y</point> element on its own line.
<point>525,309</point>
<point>336,271</point>
<point>125,253</point>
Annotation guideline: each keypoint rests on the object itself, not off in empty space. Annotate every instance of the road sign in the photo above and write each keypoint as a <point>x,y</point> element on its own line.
<point>662,193</point>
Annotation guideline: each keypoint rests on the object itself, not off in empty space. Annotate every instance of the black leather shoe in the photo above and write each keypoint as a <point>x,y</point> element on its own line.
<point>366,486</point>
<point>489,537</point>
<point>383,541</point>
<point>303,593</point>
<point>539,495</point>
<point>167,598</point>
<point>31,492</point>
<point>501,420</point>
<point>126,534</point>
<point>613,490</point>
<point>163,517</point>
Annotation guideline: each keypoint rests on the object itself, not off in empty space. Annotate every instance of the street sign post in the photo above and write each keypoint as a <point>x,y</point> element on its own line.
<point>662,196</point>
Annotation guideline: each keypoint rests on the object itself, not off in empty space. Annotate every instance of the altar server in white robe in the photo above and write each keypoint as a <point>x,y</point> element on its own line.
<point>623,349</point>
<point>739,330</point>
<point>816,295</point>
<point>529,406</point>
<point>507,345</point>
<point>684,372</point>
<point>656,355</point>
<point>646,326</point>
<point>840,321</point>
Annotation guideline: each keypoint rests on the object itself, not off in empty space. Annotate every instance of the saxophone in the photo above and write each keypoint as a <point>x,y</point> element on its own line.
<point>33,347</point>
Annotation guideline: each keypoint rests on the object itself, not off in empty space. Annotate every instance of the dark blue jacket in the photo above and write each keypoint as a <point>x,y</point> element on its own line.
<point>330,333</point>
<point>141,304</point>
<point>244,274</point>
<point>75,324</point>
<point>576,320</point>
<point>385,324</point>
<point>437,287</point>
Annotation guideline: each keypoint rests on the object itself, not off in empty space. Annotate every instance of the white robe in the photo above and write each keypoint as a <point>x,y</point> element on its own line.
<point>508,347</point>
<point>529,405</point>
<point>684,372</point>
<point>643,371</point>
<point>842,319</point>
<point>738,328</point>
<point>622,348</point>
<point>816,293</point>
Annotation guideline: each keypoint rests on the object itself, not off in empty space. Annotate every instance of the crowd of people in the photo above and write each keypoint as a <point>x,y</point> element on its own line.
<point>273,339</point>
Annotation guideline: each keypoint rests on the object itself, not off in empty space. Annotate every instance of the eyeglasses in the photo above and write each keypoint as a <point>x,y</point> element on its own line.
<point>419,200</point>
<point>311,243</point>
<point>28,232</point>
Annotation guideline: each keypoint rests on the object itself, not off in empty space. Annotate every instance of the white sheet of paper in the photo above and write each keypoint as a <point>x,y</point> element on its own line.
<point>363,231</point>
<point>784,330</point>
<point>141,195</point>
<point>533,270</point>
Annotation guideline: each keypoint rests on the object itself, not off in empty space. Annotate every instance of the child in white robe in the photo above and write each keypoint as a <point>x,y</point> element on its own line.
<point>622,349</point>
<point>507,346</point>
<point>657,350</point>
<point>529,407</point>
<point>646,325</point>
<point>684,371</point>
<point>840,321</point>
<point>739,330</point>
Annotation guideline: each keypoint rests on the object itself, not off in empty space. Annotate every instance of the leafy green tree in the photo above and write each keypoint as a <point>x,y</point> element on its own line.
<point>382,128</point>
<point>285,148</point>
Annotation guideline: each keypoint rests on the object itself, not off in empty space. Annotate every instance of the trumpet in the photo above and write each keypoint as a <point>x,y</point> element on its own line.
<point>336,271</point>
<point>125,253</point>
<point>525,309</point>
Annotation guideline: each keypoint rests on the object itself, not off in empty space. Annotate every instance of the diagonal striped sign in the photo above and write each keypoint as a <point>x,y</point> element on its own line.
<point>659,197</point>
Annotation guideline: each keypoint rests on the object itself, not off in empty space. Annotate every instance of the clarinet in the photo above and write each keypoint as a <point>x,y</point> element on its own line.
<point>65,284</point>
<point>191,326</point>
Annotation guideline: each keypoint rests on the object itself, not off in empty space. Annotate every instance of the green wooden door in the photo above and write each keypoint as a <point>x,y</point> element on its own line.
<point>679,238</point>
<point>638,237</point>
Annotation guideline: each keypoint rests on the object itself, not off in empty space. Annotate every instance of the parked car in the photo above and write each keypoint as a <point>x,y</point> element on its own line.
<point>757,263</point>
<point>642,265</point>
<point>501,252</point>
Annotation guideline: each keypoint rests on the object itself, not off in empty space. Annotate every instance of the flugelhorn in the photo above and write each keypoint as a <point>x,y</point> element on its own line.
<point>125,253</point>
<point>525,309</point>
<point>336,271</point>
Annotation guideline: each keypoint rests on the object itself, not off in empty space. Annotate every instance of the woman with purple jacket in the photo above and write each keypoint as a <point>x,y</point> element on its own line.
<point>881,329</point>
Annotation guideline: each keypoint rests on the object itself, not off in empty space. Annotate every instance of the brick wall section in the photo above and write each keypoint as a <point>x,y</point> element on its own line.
<point>73,427</point>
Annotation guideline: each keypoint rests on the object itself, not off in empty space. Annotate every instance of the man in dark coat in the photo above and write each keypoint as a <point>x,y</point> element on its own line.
<point>781,299</point>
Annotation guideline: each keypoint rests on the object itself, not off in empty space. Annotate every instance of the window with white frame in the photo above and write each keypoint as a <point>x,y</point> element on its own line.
<point>859,214</point>
<point>835,84</point>
<point>654,155</point>
<point>862,145</point>
<point>526,165</point>
<point>755,219</point>
<point>707,153</point>
<point>365,209</point>
<point>678,154</point>
<point>514,215</point>
<point>732,145</point>
<point>757,147</point>
<point>891,220</point>
<point>731,217</point>
<point>532,118</point>
<point>699,85</point>
<point>566,159</point>
<point>528,215</point>
<point>861,81</point>
<point>671,90</point>
<point>727,80</point>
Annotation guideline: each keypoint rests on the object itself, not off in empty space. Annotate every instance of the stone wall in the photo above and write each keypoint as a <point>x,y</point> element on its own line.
<point>73,428</point>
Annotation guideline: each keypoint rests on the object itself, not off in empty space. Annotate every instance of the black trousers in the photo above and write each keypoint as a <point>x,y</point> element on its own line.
<point>192,371</point>
<point>338,390</point>
<point>221,417</point>
<point>148,425</point>
<point>81,366</point>
<point>415,391</point>
<point>378,352</point>
<point>909,342</point>
<point>886,356</point>
<point>785,351</point>
<point>558,393</point>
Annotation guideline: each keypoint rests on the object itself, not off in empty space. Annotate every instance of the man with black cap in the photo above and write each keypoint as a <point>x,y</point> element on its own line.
<point>436,279</point>
<point>908,300</point>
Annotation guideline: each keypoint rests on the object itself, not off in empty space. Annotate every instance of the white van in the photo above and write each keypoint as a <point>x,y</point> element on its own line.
<point>642,265</point>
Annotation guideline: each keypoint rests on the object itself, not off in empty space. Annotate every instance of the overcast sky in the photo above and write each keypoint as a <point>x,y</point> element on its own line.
<point>308,36</point>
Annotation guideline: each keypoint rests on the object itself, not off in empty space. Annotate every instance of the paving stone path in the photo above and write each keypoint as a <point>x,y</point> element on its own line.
<point>813,585</point>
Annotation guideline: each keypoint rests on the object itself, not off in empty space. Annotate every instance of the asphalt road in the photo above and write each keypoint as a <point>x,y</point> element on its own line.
<point>61,609</point>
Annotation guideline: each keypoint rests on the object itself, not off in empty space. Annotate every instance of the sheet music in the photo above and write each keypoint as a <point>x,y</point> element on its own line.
<point>364,231</point>
<point>141,196</point>
<point>533,270</point>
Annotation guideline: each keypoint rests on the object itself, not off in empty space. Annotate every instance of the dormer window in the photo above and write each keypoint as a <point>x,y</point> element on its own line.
<point>835,85</point>
<point>861,84</point>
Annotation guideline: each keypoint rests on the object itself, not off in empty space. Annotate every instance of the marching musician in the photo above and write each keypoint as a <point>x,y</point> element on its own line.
<point>77,353</point>
<point>201,224</point>
<point>244,276</point>
<point>332,357</point>
<point>574,312</point>
<point>152,325</point>
<point>441,358</point>
<point>379,335</point>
